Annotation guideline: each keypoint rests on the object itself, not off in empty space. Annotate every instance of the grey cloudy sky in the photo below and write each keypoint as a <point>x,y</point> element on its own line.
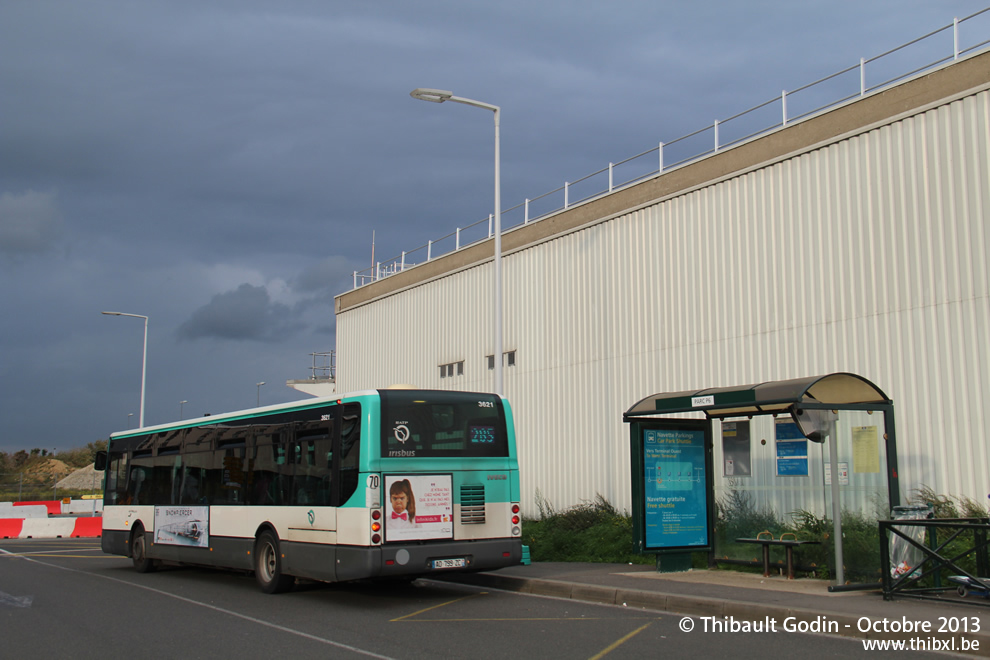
<point>220,166</point>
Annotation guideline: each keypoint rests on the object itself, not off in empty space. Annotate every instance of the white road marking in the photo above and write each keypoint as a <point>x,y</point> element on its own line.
<point>245,617</point>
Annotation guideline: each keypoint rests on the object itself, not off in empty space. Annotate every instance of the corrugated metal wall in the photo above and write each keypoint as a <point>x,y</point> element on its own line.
<point>866,255</point>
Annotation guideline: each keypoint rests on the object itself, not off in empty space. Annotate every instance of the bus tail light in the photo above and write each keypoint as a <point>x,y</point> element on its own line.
<point>376,526</point>
<point>516,519</point>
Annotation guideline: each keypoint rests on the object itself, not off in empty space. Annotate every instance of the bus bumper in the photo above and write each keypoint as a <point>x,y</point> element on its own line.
<point>116,542</point>
<point>427,559</point>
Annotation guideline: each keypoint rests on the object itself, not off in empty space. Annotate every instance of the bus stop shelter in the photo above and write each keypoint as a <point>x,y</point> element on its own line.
<point>664,471</point>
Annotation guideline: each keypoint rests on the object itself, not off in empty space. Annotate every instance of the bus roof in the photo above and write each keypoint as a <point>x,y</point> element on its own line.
<point>302,404</point>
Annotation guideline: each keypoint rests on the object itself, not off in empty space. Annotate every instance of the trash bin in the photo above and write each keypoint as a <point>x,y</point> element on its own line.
<point>904,557</point>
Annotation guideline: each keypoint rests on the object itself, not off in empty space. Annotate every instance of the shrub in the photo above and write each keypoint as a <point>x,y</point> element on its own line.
<point>737,516</point>
<point>592,531</point>
<point>945,506</point>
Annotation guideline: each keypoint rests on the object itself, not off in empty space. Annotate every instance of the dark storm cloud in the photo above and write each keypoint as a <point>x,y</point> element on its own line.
<point>29,222</point>
<point>327,274</point>
<point>249,312</point>
<point>246,313</point>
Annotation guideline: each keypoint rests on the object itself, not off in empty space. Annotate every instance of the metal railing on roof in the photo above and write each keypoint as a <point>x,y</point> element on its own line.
<point>679,152</point>
<point>324,366</point>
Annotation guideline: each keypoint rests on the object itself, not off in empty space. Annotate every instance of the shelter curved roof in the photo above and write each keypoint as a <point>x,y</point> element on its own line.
<point>839,390</point>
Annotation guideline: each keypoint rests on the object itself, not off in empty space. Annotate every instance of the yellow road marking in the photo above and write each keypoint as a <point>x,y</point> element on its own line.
<point>611,647</point>
<point>456,600</point>
<point>409,617</point>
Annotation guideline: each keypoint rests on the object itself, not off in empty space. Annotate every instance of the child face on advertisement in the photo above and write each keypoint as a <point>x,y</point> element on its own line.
<point>399,502</point>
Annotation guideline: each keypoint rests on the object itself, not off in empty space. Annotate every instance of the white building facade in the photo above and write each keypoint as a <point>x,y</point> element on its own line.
<point>853,241</point>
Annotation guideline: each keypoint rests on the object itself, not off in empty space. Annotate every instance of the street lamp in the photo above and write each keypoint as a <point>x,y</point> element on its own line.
<point>144,360</point>
<point>259,391</point>
<point>439,96</point>
<point>181,403</point>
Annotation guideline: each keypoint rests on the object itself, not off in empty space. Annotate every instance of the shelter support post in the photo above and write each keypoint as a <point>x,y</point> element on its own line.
<point>833,459</point>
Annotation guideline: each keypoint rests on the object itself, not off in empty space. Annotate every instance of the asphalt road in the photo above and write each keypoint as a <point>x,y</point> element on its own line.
<point>65,598</point>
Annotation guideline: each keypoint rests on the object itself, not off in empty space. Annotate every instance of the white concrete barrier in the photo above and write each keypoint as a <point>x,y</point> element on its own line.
<point>83,506</point>
<point>50,528</point>
<point>8,510</point>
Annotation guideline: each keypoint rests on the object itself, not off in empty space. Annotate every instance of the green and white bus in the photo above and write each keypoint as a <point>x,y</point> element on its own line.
<point>375,484</point>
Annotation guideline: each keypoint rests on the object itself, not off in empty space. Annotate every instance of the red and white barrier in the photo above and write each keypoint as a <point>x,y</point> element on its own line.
<point>33,520</point>
<point>88,527</point>
<point>50,528</point>
<point>10,528</point>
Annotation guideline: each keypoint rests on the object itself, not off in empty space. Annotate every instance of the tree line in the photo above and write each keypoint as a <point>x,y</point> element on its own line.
<point>27,460</point>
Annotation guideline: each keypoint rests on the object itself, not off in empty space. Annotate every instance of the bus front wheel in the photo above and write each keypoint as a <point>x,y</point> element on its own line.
<point>139,552</point>
<point>268,565</point>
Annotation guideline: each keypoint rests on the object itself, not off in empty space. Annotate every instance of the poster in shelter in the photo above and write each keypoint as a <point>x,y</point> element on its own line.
<point>791,449</point>
<point>736,449</point>
<point>866,450</point>
<point>676,488</point>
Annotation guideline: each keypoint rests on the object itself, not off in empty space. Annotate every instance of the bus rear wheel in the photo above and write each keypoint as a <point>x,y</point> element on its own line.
<point>139,552</point>
<point>268,565</point>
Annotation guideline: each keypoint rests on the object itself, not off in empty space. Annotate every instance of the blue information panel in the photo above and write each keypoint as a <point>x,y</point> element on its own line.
<point>792,450</point>
<point>675,488</point>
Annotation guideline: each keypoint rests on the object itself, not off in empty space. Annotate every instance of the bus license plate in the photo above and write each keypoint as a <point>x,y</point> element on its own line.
<point>449,563</point>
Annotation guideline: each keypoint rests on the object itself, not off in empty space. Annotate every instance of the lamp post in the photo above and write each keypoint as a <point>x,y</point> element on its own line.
<point>259,391</point>
<point>181,403</point>
<point>439,96</point>
<point>144,359</point>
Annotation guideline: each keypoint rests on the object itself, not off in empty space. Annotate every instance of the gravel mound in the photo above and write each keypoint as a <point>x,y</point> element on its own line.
<point>82,479</point>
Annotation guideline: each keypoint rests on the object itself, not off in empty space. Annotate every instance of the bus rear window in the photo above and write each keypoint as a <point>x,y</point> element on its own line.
<point>430,424</point>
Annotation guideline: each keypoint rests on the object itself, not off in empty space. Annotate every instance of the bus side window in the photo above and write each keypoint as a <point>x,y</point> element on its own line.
<point>280,482</point>
<point>140,479</point>
<point>190,485</point>
<point>350,451</point>
<point>280,491</point>
<point>116,478</point>
<point>135,484</point>
<point>161,479</point>
<point>311,483</point>
<point>229,476</point>
<point>302,490</point>
<point>268,451</point>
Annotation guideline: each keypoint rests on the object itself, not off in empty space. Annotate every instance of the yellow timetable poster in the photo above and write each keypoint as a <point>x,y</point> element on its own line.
<point>866,450</point>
